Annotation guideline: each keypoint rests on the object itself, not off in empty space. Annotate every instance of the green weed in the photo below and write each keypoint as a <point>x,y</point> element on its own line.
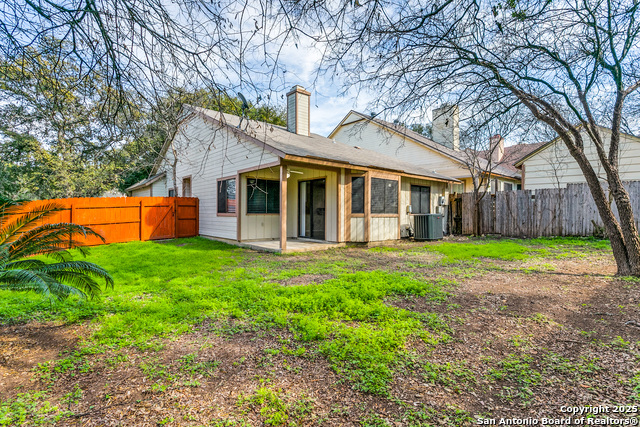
<point>276,408</point>
<point>518,370</point>
<point>29,407</point>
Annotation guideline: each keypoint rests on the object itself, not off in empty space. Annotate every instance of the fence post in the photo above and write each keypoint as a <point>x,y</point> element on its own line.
<point>140,222</point>
<point>71,222</point>
<point>175,215</point>
<point>197,217</point>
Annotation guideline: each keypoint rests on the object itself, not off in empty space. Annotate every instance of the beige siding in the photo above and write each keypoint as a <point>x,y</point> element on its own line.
<point>159,188</point>
<point>258,226</point>
<point>384,229</point>
<point>357,229</point>
<point>303,115</point>
<point>437,189</point>
<point>554,167</point>
<point>206,152</point>
<point>367,135</point>
<point>331,199</point>
<point>142,192</point>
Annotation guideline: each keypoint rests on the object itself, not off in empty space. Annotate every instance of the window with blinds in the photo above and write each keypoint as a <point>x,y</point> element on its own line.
<point>263,196</point>
<point>384,196</point>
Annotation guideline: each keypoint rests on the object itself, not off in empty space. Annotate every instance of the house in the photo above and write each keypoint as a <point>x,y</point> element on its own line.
<point>551,165</point>
<point>261,182</point>
<point>441,154</point>
<point>155,185</point>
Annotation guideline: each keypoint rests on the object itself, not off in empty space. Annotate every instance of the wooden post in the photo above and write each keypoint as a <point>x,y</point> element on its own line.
<point>197,217</point>
<point>175,216</point>
<point>238,207</point>
<point>367,206</point>
<point>140,222</point>
<point>283,208</point>
<point>71,222</point>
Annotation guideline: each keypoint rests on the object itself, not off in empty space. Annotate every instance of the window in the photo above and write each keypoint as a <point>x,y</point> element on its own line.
<point>357,194</point>
<point>263,196</point>
<point>172,192</point>
<point>227,196</point>
<point>508,186</point>
<point>420,199</point>
<point>384,196</point>
<point>186,187</point>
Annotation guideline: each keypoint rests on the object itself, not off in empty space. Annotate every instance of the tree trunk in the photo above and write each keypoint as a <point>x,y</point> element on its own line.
<point>611,224</point>
<point>627,225</point>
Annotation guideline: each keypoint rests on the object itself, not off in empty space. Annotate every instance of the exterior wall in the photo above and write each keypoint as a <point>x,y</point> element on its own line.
<point>159,188</point>
<point>257,226</point>
<point>367,135</point>
<point>331,200</point>
<point>383,228</point>
<point>554,167</point>
<point>142,192</point>
<point>207,152</point>
<point>437,189</point>
<point>357,229</point>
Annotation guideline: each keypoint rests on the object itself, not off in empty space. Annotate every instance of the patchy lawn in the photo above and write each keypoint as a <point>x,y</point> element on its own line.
<point>201,333</point>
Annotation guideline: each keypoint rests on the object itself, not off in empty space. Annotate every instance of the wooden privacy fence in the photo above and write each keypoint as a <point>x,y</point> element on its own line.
<point>568,211</point>
<point>125,219</point>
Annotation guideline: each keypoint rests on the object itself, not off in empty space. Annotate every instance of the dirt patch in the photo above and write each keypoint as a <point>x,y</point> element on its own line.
<point>23,346</point>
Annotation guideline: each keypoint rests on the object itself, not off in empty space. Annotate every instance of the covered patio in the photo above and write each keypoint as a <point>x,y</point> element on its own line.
<point>292,245</point>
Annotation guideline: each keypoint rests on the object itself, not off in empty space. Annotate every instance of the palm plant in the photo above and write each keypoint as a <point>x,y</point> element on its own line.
<point>21,239</point>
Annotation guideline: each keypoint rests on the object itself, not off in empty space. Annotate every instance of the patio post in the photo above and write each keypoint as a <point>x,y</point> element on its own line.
<point>283,208</point>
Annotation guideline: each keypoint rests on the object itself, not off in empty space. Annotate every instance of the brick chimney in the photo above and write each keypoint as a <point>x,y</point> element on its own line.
<point>446,126</point>
<point>497,148</point>
<point>298,116</point>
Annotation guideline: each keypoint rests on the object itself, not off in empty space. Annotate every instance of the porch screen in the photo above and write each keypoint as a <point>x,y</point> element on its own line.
<point>263,196</point>
<point>384,196</point>
<point>420,199</point>
<point>357,194</point>
<point>227,196</point>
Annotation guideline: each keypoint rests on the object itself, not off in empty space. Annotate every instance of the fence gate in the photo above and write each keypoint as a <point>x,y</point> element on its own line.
<point>126,219</point>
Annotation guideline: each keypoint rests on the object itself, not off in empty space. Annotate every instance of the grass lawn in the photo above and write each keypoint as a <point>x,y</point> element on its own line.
<point>197,332</point>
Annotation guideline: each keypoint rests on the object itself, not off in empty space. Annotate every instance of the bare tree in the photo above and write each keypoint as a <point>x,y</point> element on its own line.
<point>573,66</point>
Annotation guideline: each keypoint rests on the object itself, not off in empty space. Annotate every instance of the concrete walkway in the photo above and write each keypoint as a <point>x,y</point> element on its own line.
<point>293,245</point>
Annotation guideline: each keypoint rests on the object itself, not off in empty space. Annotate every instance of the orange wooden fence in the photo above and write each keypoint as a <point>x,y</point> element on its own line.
<point>125,219</point>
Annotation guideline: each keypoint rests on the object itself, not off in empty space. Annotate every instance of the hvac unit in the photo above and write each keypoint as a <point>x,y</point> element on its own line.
<point>427,226</point>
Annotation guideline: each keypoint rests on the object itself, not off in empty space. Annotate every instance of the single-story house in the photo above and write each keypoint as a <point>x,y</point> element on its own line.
<point>155,185</point>
<point>551,165</point>
<point>441,154</point>
<point>258,182</point>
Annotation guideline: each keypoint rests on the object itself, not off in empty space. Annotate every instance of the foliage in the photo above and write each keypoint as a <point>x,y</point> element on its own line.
<point>346,316</point>
<point>58,138</point>
<point>21,238</point>
<point>31,407</point>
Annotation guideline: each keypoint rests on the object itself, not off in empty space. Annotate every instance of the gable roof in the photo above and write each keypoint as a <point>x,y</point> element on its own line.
<point>283,143</point>
<point>146,182</point>
<point>542,145</point>
<point>455,155</point>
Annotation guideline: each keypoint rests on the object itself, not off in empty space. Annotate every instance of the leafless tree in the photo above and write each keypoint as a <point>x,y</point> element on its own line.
<point>573,66</point>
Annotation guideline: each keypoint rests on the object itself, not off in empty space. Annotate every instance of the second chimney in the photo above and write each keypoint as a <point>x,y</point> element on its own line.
<point>446,126</point>
<point>298,111</point>
<point>497,148</point>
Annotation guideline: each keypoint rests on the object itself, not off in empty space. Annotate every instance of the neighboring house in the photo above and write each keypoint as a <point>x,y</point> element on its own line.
<point>442,154</point>
<point>552,166</point>
<point>154,186</point>
<point>258,181</point>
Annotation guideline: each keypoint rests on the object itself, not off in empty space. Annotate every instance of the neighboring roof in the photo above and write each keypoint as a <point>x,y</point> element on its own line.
<point>284,143</point>
<point>542,145</point>
<point>515,152</point>
<point>146,182</point>
<point>454,155</point>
